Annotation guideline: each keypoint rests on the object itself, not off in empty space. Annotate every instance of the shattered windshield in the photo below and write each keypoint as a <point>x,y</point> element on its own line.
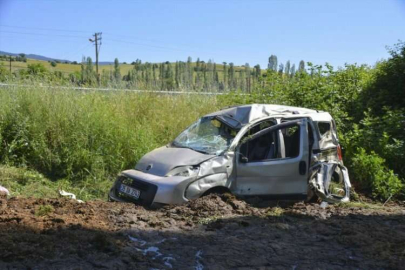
<point>208,135</point>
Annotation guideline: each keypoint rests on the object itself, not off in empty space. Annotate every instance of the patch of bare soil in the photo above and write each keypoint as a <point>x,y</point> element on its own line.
<point>214,232</point>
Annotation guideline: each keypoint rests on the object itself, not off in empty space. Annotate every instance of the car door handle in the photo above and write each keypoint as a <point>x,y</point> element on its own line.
<point>302,167</point>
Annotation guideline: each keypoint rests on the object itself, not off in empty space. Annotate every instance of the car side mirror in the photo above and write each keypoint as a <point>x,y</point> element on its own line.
<point>244,159</point>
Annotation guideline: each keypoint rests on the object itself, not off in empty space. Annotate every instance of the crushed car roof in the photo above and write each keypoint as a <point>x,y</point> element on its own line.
<point>241,115</point>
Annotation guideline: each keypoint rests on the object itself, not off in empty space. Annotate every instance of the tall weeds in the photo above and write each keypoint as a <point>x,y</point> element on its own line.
<point>89,137</point>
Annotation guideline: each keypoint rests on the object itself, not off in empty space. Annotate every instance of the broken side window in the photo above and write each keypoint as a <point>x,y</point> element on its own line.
<point>271,145</point>
<point>291,141</point>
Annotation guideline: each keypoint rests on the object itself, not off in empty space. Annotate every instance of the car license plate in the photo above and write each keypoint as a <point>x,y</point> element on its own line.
<point>130,191</point>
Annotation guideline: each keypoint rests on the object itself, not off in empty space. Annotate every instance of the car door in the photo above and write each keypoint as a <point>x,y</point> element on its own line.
<point>283,170</point>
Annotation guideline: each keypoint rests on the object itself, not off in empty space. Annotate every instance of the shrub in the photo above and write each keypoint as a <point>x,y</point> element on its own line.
<point>36,69</point>
<point>371,173</point>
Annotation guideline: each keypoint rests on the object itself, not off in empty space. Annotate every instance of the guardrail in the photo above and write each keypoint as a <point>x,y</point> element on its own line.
<point>116,89</point>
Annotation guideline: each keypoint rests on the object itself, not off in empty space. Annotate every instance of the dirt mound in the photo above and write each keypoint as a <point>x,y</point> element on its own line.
<point>214,232</point>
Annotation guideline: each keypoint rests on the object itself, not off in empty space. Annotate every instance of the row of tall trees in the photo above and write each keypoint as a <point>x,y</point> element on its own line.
<point>192,76</point>
<point>286,69</point>
<point>183,75</point>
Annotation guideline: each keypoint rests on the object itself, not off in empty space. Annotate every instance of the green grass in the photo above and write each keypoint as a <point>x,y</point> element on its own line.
<point>44,210</point>
<point>363,205</point>
<point>80,141</point>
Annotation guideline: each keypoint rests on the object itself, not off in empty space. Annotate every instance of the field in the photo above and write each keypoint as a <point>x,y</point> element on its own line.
<point>70,68</point>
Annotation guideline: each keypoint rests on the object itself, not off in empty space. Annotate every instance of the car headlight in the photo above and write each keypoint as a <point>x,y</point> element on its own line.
<point>186,171</point>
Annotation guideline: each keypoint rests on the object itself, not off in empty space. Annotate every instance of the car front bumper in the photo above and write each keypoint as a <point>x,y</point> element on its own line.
<point>154,189</point>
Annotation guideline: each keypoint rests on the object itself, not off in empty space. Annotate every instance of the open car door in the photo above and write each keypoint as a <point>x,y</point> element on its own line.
<point>274,161</point>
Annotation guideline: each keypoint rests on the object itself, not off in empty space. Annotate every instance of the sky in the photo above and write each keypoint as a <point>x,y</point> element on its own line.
<point>238,31</point>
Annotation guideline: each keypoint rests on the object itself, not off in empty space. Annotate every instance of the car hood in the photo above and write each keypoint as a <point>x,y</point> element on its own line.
<point>162,160</point>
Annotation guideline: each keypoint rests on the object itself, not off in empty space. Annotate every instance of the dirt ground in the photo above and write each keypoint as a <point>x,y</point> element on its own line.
<point>215,232</point>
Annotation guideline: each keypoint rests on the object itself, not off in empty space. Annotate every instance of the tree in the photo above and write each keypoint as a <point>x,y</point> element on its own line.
<point>287,68</point>
<point>215,72</point>
<point>292,70</point>
<point>23,57</point>
<point>247,76</point>
<point>281,69</point>
<point>117,72</point>
<point>88,74</point>
<point>53,64</point>
<point>225,74</point>
<point>231,76</point>
<point>258,71</point>
<point>272,63</point>
<point>301,66</point>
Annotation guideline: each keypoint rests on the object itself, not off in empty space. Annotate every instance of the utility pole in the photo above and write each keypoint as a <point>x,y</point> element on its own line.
<point>97,43</point>
<point>10,64</point>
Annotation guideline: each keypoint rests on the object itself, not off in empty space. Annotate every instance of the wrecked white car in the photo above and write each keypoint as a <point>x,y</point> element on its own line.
<point>249,150</point>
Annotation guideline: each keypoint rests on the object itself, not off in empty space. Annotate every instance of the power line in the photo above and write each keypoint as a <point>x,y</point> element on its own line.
<point>41,34</point>
<point>43,29</point>
<point>148,45</point>
<point>74,36</point>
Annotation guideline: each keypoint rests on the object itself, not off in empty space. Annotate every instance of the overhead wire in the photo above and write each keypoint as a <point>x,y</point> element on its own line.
<point>86,37</point>
<point>44,29</point>
<point>40,34</point>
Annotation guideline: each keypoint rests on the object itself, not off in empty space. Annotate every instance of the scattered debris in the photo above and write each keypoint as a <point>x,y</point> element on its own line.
<point>70,195</point>
<point>4,191</point>
<point>324,205</point>
<point>198,258</point>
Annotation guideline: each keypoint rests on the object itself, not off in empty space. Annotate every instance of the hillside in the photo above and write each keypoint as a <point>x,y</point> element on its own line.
<point>70,67</point>
<point>35,57</point>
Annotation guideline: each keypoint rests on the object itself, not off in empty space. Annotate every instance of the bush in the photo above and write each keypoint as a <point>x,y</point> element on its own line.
<point>36,69</point>
<point>371,173</point>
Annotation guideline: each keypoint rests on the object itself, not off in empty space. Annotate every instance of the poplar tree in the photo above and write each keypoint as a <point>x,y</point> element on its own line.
<point>225,72</point>
<point>292,70</point>
<point>272,63</point>
<point>287,68</point>
<point>301,67</point>
<point>258,71</point>
<point>231,76</point>
<point>117,72</point>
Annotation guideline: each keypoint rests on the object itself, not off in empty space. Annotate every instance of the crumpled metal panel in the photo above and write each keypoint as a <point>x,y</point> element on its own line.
<point>162,160</point>
<point>321,175</point>
<point>248,113</point>
<point>215,172</point>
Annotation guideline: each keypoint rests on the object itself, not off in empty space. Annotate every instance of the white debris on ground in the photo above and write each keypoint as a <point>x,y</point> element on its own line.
<point>4,190</point>
<point>136,240</point>
<point>70,195</point>
<point>324,205</point>
<point>167,260</point>
<point>198,258</point>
